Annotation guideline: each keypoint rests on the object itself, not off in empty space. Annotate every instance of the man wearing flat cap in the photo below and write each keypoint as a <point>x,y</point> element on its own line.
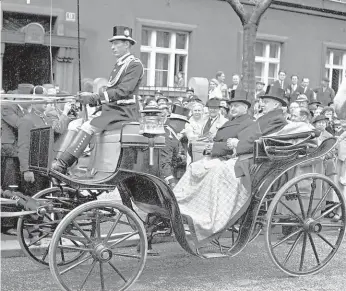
<point>325,94</point>
<point>259,89</point>
<point>118,99</point>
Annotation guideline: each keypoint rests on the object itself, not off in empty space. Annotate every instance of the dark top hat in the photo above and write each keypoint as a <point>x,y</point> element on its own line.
<point>275,93</point>
<point>190,89</point>
<point>319,118</point>
<point>179,112</point>
<point>122,33</point>
<point>239,96</point>
<point>213,102</point>
<point>315,103</point>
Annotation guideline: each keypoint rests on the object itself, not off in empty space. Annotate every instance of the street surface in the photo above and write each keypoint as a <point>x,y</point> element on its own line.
<point>176,270</point>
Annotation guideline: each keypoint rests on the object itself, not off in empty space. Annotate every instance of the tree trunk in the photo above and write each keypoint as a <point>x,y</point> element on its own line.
<point>248,63</point>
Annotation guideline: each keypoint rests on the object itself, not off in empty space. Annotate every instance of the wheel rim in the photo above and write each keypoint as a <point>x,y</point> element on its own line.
<point>112,261</point>
<point>41,229</point>
<point>300,238</point>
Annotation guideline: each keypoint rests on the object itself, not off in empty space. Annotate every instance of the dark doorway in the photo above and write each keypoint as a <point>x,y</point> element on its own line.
<point>25,63</point>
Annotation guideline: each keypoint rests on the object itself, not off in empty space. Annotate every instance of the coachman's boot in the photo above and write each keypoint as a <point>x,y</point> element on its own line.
<point>72,153</point>
<point>67,141</point>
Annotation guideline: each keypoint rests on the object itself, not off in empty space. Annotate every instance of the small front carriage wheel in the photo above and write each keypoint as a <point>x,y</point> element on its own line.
<point>35,232</point>
<point>112,261</point>
<point>300,237</point>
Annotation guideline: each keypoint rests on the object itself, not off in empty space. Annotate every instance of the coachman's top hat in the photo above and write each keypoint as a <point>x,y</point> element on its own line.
<point>239,96</point>
<point>122,33</point>
<point>275,93</point>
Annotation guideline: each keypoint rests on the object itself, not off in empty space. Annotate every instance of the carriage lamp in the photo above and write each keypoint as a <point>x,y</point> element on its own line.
<point>152,124</point>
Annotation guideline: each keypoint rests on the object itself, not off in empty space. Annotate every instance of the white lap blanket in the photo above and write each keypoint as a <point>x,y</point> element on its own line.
<point>211,195</point>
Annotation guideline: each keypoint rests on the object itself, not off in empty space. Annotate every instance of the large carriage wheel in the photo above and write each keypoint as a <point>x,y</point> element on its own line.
<point>300,237</point>
<point>35,232</point>
<point>113,261</point>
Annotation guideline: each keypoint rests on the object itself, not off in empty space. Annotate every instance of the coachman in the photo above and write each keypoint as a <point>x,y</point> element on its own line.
<point>118,100</point>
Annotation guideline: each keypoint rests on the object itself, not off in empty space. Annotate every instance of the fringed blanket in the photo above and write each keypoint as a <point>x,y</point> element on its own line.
<point>211,195</point>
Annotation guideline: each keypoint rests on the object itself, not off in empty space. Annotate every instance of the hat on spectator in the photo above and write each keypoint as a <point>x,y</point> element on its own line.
<point>195,98</point>
<point>38,90</point>
<point>319,118</point>
<point>302,98</point>
<point>25,88</point>
<point>325,79</point>
<point>162,98</point>
<point>190,89</point>
<point>122,33</point>
<point>213,102</point>
<point>260,82</point>
<point>315,102</point>
<point>239,96</point>
<point>325,109</point>
<point>275,93</point>
<point>179,112</point>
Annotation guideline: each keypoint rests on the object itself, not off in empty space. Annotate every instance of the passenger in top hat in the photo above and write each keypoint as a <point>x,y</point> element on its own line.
<point>325,94</point>
<point>119,103</point>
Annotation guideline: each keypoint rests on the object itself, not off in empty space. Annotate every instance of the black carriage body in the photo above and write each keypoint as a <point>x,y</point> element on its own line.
<point>139,184</point>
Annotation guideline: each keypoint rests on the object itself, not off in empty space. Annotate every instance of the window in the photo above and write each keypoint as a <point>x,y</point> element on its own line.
<point>267,61</point>
<point>164,54</point>
<point>335,68</point>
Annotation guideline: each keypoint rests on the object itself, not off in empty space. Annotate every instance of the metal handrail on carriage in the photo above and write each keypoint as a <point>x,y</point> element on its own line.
<point>82,219</point>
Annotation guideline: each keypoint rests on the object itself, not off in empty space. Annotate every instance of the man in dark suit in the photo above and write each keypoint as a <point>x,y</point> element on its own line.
<point>169,155</point>
<point>325,94</point>
<point>306,90</point>
<point>119,98</point>
<point>292,89</point>
<point>281,82</point>
<point>239,106</point>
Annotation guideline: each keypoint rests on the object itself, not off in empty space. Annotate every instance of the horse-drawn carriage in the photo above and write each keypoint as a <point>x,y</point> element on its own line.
<point>89,239</point>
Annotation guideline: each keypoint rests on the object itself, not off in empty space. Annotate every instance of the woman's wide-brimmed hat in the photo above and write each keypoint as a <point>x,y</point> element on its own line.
<point>122,33</point>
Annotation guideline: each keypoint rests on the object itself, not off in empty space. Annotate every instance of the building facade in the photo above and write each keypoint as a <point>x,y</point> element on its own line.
<point>196,38</point>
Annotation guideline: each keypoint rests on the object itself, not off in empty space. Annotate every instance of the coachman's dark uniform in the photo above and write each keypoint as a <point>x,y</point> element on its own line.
<point>122,89</point>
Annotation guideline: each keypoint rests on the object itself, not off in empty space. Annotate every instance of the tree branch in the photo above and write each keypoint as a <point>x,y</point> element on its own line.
<point>238,9</point>
<point>259,10</point>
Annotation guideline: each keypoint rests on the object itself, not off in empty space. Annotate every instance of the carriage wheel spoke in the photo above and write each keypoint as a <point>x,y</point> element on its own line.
<point>113,227</point>
<point>325,240</point>
<point>300,202</point>
<point>75,265</point>
<point>290,252</point>
<point>318,206</point>
<point>98,227</point>
<point>117,271</point>
<point>303,252</point>
<point>81,231</point>
<point>328,211</point>
<point>102,279</point>
<point>287,223</point>
<point>286,238</point>
<point>38,239</point>
<point>126,255</point>
<point>62,251</point>
<point>123,239</point>
<point>313,188</point>
<point>314,249</point>
<point>295,214</point>
<point>332,224</point>
<point>88,274</point>
<point>45,253</point>
<point>75,248</point>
